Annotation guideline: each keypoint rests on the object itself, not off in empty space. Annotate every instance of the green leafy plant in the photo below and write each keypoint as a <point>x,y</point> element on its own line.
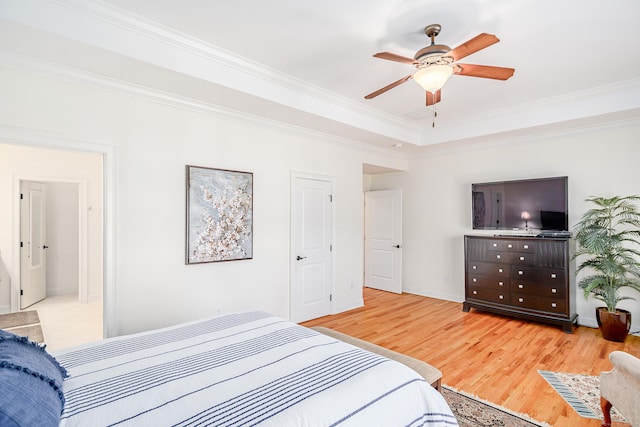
<point>608,238</point>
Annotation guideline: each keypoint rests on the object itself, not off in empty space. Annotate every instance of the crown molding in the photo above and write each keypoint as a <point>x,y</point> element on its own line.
<point>99,82</point>
<point>598,101</point>
<point>130,36</point>
<point>137,38</point>
<point>581,125</point>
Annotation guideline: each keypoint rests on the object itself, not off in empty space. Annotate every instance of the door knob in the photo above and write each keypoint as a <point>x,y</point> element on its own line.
<point>298,258</point>
<point>45,247</point>
<point>397,246</point>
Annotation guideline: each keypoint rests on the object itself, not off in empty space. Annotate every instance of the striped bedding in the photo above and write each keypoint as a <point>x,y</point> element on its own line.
<point>242,369</point>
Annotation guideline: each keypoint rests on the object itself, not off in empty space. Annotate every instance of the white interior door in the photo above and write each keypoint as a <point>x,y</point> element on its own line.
<point>32,243</point>
<point>311,248</point>
<point>383,240</point>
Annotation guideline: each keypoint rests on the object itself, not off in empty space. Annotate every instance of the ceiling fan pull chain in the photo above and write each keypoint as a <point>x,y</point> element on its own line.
<point>435,113</point>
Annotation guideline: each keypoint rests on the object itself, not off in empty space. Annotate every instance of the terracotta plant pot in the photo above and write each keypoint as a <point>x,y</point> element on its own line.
<point>614,326</point>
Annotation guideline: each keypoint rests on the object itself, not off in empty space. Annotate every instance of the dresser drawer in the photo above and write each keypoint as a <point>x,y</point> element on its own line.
<point>549,305</point>
<point>491,295</point>
<point>526,246</point>
<point>524,258</point>
<point>537,289</point>
<point>543,275</point>
<point>488,269</point>
<point>501,257</point>
<point>501,245</point>
<point>500,283</point>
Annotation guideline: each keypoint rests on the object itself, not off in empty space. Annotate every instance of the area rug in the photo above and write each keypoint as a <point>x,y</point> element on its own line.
<point>24,323</point>
<point>470,411</point>
<point>19,318</point>
<point>581,392</point>
<point>33,332</point>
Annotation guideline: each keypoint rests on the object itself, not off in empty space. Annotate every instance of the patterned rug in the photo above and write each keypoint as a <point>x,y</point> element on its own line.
<point>581,392</point>
<point>470,411</point>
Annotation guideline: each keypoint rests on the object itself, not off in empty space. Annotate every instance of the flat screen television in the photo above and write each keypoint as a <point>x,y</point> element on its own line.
<point>538,204</point>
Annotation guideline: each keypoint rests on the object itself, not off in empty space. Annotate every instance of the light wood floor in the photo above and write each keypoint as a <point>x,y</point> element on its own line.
<point>66,322</point>
<point>494,357</point>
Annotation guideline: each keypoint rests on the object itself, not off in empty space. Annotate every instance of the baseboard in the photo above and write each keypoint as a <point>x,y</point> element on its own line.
<point>54,292</point>
<point>4,309</point>
<point>347,307</point>
<point>589,322</point>
<point>437,295</point>
<point>94,298</point>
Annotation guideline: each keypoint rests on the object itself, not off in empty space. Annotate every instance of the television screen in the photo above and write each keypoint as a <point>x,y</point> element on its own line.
<point>539,204</point>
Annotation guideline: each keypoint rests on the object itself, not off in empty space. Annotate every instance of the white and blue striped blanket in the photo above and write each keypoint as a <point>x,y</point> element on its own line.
<point>242,369</point>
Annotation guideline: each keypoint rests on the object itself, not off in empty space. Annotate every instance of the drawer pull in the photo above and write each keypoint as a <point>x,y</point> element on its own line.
<point>500,283</point>
<point>554,305</point>
<point>498,256</point>
<point>554,290</point>
<point>520,299</point>
<point>474,280</point>
<point>474,267</point>
<point>553,275</point>
<point>520,286</point>
<point>499,270</point>
<point>501,296</point>
<point>509,245</point>
<point>495,245</point>
<point>521,258</point>
<point>526,246</point>
<point>520,272</point>
<point>475,292</point>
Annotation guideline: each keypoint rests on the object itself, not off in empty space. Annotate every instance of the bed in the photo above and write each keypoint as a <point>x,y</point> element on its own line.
<point>241,369</point>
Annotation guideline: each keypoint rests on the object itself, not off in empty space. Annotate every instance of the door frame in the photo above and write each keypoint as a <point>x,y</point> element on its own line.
<point>31,138</point>
<point>292,265</point>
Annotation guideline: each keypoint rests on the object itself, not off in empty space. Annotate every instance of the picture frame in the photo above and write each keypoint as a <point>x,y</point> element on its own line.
<point>219,217</point>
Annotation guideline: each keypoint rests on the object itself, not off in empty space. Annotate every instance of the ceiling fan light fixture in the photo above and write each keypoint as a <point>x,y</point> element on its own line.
<point>437,62</point>
<point>433,77</point>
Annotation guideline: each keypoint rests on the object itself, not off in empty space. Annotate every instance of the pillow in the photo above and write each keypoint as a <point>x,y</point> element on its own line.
<point>30,383</point>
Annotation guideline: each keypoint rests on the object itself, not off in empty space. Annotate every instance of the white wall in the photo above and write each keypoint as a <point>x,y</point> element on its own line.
<point>62,238</point>
<point>82,170</point>
<point>152,143</point>
<point>437,197</point>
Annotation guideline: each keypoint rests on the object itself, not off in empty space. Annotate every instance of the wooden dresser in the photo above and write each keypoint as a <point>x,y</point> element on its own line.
<point>525,277</point>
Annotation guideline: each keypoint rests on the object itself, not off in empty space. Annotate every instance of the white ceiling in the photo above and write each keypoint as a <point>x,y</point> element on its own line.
<point>310,63</point>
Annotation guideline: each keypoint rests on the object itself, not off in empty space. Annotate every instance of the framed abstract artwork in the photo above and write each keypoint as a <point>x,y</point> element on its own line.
<point>219,215</point>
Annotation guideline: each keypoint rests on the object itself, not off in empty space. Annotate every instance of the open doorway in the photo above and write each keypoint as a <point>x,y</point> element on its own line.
<point>74,237</point>
<point>383,240</point>
<point>50,237</point>
<point>382,262</point>
<point>33,243</point>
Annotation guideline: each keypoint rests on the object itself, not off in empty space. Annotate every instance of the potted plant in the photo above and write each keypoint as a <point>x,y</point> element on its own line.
<point>608,238</point>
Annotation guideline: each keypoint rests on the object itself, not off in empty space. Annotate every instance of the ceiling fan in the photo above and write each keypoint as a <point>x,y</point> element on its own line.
<point>437,62</point>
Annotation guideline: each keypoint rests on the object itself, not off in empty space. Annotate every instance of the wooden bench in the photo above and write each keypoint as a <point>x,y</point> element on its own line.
<point>432,375</point>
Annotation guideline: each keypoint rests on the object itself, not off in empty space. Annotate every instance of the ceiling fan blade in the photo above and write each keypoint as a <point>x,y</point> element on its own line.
<point>393,57</point>
<point>475,44</point>
<point>387,87</point>
<point>486,71</point>
<point>434,98</point>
